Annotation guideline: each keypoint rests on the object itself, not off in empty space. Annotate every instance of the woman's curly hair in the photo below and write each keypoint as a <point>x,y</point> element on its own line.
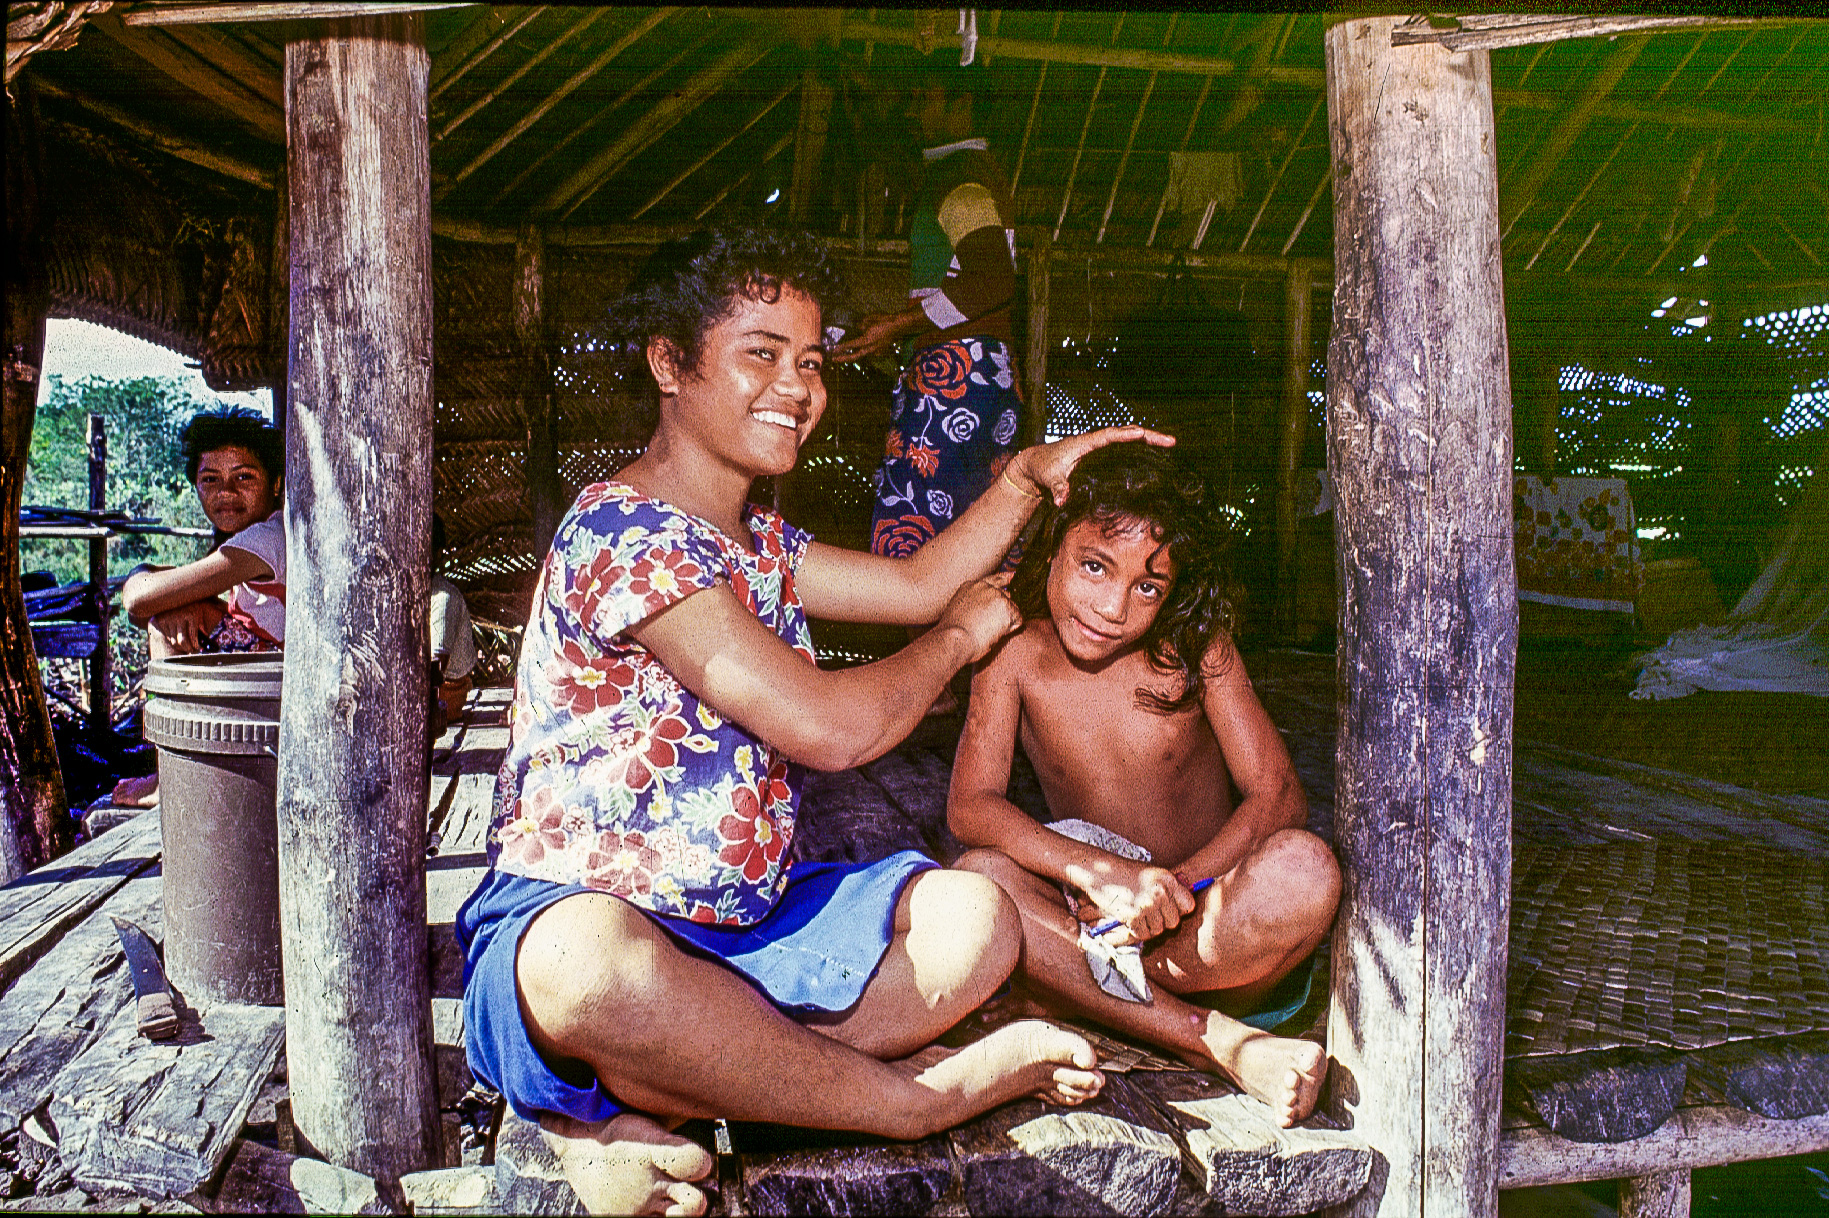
<point>691,284</point>
<point>235,426</point>
<point>1119,487</point>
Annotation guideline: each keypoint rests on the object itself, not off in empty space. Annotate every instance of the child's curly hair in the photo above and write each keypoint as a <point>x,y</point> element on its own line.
<point>1126,483</point>
<point>691,284</point>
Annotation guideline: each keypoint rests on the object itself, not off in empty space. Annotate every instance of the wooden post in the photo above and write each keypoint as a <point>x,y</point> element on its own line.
<point>101,680</point>
<point>1035,367</point>
<point>32,802</point>
<point>352,779</point>
<point>536,389</point>
<point>809,144</point>
<point>1420,455</point>
<point>1292,430</point>
<point>1663,1194</point>
<point>279,277</point>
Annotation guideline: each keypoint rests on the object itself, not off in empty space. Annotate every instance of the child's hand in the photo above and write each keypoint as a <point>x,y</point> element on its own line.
<point>984,611</point>
<point>1148,900</point>
<point>1046,467</point>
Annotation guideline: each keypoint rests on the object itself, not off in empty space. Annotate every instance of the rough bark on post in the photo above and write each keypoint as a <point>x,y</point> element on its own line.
<point>1292,430</point>
<point>279,282</point>
<point>1420,455</point>
<point>536,387</point>
<point>1035,367</point>
<point>32,803</point>
<point>352,779</point>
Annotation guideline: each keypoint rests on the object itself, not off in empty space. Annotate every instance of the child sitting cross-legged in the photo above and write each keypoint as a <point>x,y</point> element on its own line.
<point>1130,699</point>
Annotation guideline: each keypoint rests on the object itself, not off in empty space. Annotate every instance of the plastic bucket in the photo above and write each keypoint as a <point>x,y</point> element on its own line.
<point>215,720</point>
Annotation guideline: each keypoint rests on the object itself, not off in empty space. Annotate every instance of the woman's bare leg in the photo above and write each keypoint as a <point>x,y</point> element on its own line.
<point>679,1036</point>
<point>1283,1072</point>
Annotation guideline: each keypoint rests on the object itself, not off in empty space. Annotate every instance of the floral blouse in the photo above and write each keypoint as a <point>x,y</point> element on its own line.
<point>616,776</point>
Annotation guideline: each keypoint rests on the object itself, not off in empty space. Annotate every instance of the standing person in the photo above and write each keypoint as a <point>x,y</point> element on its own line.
<point>957,409</point>
<point>640,951</point>
<point>451,639</point>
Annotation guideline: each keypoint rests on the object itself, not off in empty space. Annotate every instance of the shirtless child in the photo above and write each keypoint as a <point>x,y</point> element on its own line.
<point>1122,580</point>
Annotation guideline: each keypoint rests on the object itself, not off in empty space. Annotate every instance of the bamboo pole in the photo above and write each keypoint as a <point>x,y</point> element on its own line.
<point>1521,194</point>
<point>1292,430</point>
<point>1302,220</point>
<point>1073,174</point>
<point>590,177</point>
<point>554,147</point>
<point>726,142</point>
<point>539,57</point>
<point>559,94</point>
<point>1294,146</point>
<point>443,81</point>
<point>1420,457</point>
<point>352,777</point>
<point>1193,118</point>
<point>1035,366</point>
<point>164,140</point>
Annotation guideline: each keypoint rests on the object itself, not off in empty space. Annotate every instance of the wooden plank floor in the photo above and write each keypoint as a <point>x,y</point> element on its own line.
<point>1157,1142</point>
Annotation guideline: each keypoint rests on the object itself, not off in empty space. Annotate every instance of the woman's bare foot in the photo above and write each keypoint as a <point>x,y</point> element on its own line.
<point>1027,1058</point>
<point>628,1165</point>
<point>1284,1072</point>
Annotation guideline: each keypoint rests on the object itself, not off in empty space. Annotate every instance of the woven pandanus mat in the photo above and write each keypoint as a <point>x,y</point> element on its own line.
<point>1671,943</point>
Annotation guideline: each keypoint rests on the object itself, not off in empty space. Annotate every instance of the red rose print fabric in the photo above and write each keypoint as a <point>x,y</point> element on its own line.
<point>953,427</point>
<point>616,776</point>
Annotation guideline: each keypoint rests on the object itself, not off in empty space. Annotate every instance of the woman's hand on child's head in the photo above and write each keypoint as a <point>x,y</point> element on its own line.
<point>1047,467</point>
<point>984,611</point>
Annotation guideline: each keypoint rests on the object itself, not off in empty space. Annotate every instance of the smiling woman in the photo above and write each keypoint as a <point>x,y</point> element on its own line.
<point>666,711</point>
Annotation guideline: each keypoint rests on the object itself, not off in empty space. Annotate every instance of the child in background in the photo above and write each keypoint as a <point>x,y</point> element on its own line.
<point>1129,697</point>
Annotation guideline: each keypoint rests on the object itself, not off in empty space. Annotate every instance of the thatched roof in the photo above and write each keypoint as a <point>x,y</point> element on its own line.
<point>1687,162</point>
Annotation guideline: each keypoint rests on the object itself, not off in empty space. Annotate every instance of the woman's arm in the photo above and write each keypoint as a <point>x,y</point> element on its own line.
<point>830,720</point>
<point>851,586</point>
<point>1258,762</point>
<point>152,592</point>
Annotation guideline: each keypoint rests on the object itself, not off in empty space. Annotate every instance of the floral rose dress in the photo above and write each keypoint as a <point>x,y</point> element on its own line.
<point>616,776</point>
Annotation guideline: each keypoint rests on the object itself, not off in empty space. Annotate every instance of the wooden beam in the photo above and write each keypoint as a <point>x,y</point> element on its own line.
<point>456,72</point>
<point>352,777</point>
<point>1420,457</point>
<point>1663,1194</point>
<point>1035,367</point>
<point>726,142</point>
<point>780,146</point>
<point>1695,1137</point>
<point>809,144</point>
<point>233,60</point>
<point>554,147</point>
<point>1193,118</point>
<point>559,94</point>
<point>1052,51</point>
<point>1489,33</point>
<point>1092,108</point>
<point>279,10</point>
<point>529,312</point>
<point>1291,432</point>
<point>666,115</point>
<point>163,140</point>
<point>159,50</point>
<point>539,57</point>
<point>1520,194</point>
<point>1270,191</point>
<point>32,801</point>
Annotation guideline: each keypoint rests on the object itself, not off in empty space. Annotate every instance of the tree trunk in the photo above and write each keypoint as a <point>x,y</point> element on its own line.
<point>33,808</point>
<point>352,779</point>
<point>1420,454</point>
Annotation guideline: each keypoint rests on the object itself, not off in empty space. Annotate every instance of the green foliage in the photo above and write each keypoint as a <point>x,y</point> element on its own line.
<point>142,419</point>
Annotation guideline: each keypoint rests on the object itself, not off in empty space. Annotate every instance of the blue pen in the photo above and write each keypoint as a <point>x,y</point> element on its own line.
<point>1111,924</point>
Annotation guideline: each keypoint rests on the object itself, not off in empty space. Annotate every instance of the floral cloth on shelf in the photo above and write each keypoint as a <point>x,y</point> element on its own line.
<point>951,431</point>
<point>616,776</point>
<point>1577,542</point>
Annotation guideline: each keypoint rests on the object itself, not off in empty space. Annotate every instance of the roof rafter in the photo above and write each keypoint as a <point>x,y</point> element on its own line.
<point>539,57</point>
<point>186,67</point>
<point>1568,129</point>
<point>726,142</point>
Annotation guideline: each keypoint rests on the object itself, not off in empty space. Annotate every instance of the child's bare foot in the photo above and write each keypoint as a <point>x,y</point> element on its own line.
<point>628,1165</point>
<point>1027,1058</point>
<point>1284,1072</point>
